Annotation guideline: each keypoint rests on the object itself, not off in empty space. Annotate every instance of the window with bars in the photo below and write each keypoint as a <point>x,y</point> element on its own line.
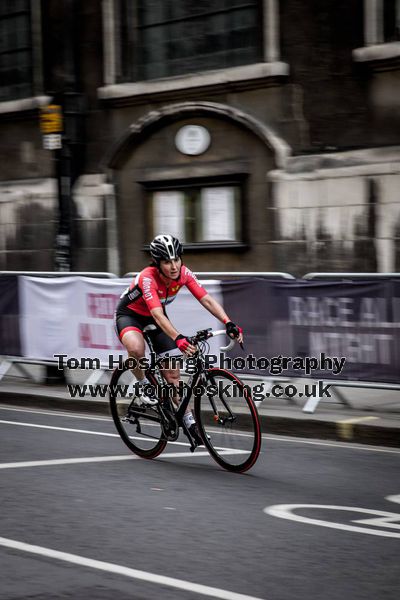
<point>391,21</point>
<point>382,22</point>
<point>15,50</point>
<point>163,38</point>
<point>197,214</point>
<point>381,33</point>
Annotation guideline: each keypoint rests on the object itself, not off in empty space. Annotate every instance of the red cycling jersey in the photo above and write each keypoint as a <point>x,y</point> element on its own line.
<point>153,292</point>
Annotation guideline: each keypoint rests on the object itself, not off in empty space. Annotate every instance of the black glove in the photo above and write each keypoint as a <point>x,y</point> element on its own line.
<point>232,330</point>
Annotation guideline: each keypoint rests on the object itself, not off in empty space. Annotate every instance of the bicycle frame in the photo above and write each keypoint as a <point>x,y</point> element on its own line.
<point>181,409</point>
<point>154,375</point>
<point>216,417</point>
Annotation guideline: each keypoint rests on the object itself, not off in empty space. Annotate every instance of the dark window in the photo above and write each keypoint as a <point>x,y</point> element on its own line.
<point>391,21</point>
<point>15,50</point>
<point>175,37</point>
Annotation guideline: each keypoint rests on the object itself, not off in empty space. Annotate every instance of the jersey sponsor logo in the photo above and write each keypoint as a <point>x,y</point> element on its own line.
<point>167,300</point>
<point>131,294</point>
<point>134,294</point>
<point>147,288</point>
<point>191,275</point>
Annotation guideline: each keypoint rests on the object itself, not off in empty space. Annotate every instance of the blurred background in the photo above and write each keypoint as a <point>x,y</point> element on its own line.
<point>265,134</point>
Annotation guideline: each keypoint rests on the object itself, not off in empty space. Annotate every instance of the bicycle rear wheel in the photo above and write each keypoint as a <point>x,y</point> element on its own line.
<point>228,421</point>
<point>139,426</point>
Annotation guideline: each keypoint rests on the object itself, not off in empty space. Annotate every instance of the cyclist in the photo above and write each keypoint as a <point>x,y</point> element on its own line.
<point>144,302</point>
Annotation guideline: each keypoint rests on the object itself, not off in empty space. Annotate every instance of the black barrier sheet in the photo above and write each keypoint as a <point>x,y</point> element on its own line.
<point>356,321</point>
<point>9,316</point>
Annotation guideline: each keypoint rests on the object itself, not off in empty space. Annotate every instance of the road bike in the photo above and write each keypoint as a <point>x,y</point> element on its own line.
<point>226,416</point>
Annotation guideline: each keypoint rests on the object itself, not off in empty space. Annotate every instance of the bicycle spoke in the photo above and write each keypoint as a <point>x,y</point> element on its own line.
<point>228,422</point>
<point>139,427</point>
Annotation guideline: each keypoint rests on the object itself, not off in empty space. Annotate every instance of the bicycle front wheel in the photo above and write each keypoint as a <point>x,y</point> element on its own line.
<point>139,426</point>
<point>228,421</point>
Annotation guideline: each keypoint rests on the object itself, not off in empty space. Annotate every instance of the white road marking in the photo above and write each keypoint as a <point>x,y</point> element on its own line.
<point>100,565</point>
<point>357,420</point>
<point>55,413</point>
<point>343,445</point>
<point>275,438</point>
<point>395,498</point>
<point>70,429</point>
<point>64,461</point>
<point>345,427</point>
<point>90,459</point>
<point>97,459</point>
<point>102,433</point>
<point>285,511</point>
<point>390,522</point>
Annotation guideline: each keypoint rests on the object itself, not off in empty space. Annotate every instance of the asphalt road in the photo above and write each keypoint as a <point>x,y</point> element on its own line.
<point>107,525</point>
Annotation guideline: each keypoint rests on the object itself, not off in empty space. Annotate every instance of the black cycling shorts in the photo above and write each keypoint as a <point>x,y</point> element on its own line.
<point>128,320</point>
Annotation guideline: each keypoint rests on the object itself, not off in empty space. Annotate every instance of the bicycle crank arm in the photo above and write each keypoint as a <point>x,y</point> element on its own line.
<point>141,414</point>
<point>193,443</point>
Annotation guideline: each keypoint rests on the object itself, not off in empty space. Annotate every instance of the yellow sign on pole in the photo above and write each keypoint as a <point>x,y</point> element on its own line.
<point>51,120</point>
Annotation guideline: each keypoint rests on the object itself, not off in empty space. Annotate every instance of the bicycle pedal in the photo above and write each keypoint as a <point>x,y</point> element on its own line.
<point>192,442</point>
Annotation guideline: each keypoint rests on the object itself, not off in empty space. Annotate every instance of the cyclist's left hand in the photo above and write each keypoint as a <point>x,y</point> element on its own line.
<point>234,331</point>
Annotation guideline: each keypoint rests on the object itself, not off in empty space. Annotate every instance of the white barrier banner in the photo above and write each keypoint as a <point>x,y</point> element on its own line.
<point>74,316</point>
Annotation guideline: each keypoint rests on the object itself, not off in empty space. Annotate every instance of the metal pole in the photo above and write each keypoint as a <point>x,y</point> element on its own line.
<point>68,158</point>
<point>63,259</point>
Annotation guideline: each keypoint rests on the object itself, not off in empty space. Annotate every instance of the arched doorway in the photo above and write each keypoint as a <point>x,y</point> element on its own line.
<point>214,195</point>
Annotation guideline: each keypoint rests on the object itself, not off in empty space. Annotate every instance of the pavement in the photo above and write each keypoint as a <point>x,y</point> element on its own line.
<point>358,415</point>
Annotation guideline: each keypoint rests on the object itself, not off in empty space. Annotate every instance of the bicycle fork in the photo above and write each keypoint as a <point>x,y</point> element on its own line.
<point>231,418</point>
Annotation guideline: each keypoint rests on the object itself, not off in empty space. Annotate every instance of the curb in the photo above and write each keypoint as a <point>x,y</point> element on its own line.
<point>361,433</point>
<point>37,401</point>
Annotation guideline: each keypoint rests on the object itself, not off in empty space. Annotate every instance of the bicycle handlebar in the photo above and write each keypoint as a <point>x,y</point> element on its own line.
<point>208,333</point>
<point>223,332</point>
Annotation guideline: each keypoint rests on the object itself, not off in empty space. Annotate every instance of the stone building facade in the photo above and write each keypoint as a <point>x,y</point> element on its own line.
<point>264,133</point>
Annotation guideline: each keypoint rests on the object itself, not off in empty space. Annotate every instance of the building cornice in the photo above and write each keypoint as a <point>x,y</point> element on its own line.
<point>23,104</point>
<point>351,163</point>
<point>222,77</point>
<point>377,52</point>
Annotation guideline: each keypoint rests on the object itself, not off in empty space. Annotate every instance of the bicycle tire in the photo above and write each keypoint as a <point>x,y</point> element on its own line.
<point>230,427</point>
<point>146,445</point>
